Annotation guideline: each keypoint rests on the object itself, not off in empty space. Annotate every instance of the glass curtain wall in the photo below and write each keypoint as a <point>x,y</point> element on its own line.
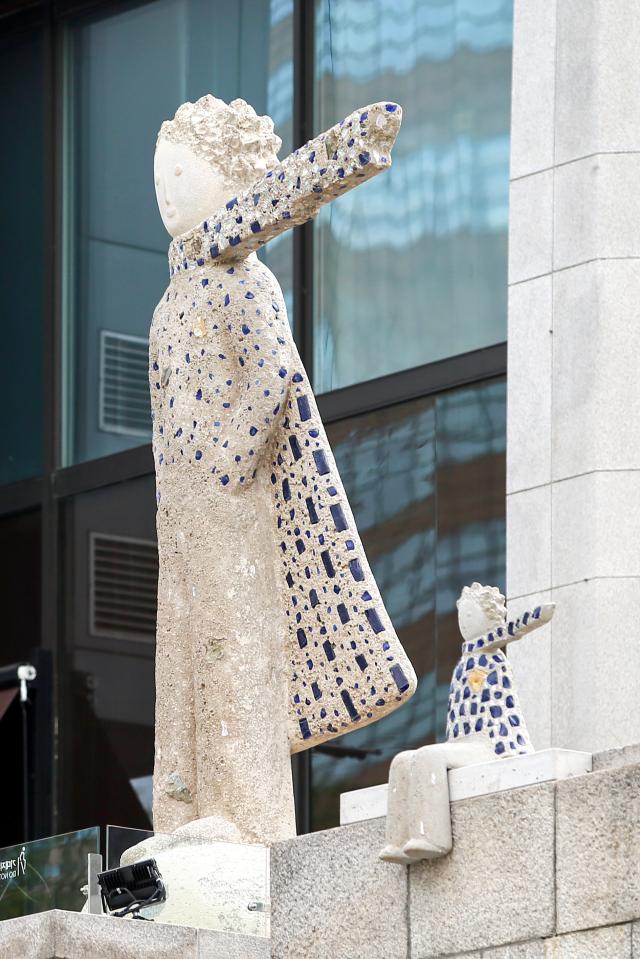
<point>407,270</point>
<point>425,480</point>
<point>111,574</point>
<point>412,266</point>
<point>22,173</point>
<point>125,74</point>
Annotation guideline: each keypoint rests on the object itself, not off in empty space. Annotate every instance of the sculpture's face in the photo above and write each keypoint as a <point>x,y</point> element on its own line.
<point>188,189</point>
<point>473,619</point>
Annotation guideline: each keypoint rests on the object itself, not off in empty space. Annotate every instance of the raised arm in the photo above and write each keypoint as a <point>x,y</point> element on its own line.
<point>348,154</point>
<point>513,629</point>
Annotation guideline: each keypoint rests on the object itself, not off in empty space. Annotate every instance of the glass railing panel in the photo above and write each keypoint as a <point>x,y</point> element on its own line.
<point>46,873</point>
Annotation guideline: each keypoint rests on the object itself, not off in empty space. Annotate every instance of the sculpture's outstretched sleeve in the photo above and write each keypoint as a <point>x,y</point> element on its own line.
<point>351,152</point>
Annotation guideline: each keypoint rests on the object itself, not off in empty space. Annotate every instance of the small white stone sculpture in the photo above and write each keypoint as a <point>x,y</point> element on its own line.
<point>484,722</point>
<point>271,633</point>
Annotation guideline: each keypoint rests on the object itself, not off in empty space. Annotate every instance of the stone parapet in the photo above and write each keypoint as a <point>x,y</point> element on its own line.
<point>544,872</point>
<point>549,871</point>
<point>72,935</point>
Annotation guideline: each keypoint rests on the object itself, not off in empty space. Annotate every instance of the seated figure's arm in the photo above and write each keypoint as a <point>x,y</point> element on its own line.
<point>514,629</point>
<point>350,153</point>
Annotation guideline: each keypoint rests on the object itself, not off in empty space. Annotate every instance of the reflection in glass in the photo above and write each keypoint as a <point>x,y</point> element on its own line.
<point>46,874</point>
<point>108,705</point>
<point>21,251</point>
<point>426,482</point>
<point>125,74</point>
<point>411,267</point>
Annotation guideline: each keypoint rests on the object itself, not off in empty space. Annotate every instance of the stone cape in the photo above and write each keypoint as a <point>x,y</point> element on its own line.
<point>233,410</point>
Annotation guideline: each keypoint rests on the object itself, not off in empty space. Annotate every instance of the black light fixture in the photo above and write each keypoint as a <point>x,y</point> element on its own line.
<point>128,889</point>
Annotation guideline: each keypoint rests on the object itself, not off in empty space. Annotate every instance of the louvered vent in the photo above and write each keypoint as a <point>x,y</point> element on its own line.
<point>124,384</point>
<point>124,586</point>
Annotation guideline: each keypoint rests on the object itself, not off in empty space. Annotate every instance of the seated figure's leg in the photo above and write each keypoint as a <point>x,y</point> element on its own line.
<point>398,795</point>
<point>428,808</point>
<point>428,815</point>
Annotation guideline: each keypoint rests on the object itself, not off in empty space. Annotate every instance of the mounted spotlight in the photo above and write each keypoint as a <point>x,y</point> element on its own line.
<point>127,890</point>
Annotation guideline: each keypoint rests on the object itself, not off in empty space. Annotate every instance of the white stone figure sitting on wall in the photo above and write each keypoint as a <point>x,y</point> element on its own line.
<point>484,722</point>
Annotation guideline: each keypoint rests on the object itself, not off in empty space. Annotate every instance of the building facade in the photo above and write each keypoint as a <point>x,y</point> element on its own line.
<point>397,295</point>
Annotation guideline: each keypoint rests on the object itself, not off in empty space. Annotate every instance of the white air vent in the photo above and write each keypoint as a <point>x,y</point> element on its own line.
<point>123,587</point>
<point>124,384</point>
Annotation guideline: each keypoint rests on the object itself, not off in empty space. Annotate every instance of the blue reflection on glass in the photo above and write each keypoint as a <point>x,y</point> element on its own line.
<point>426,483</point>
<point>411,267</point>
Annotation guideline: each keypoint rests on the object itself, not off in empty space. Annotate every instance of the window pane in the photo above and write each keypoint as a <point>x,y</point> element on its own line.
<point>412,266</point>
<point>21,249</point>
<point>20,585</point>
<point>111,581</point>
<point>426,483</point>
<point>126,74</point>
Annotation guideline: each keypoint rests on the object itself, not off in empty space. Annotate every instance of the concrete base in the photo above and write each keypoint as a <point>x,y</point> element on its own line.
<point>72,935</point>
<point>222,886</point>
<point>570,889</point>
<point>548,765</point>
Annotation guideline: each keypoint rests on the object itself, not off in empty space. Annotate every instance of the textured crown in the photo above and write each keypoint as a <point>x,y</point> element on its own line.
<point>232,137</point>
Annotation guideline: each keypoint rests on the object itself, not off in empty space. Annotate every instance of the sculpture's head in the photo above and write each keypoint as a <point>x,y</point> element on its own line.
<point>207,154</point>
<point>480,609</point>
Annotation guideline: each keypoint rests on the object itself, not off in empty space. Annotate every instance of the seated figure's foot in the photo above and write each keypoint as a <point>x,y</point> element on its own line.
<point>394,854</point>
<point>416,849</point>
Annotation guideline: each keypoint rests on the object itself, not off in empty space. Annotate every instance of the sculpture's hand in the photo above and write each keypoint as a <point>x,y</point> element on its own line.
<point>529,621</point>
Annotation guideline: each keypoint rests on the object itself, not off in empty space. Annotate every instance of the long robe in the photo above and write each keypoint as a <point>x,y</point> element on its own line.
<point>272,636</point>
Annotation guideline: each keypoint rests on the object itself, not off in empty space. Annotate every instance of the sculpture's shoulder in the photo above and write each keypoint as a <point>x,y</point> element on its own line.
<point>263,275</point>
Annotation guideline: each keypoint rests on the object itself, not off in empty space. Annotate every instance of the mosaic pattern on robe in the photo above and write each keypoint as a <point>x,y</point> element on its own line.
<point>231,351</point>
<point>482,697</point>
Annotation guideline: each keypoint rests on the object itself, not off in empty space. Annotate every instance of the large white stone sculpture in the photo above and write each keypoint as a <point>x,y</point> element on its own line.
<point>484,722</point>
<point>271,633</point>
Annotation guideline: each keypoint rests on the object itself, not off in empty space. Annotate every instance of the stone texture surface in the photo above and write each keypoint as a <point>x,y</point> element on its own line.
<point>529,420</point>
<point>529,521</point>
<point>536,949</point>
<point>530,250</point>
<point>586,381</point>
<point>594,708</point>
<point>331,896</point>
<point>598,849</point>
<point>613,942</point>
<point>220,945</point>
<point>596,392</point>
<point>533,88</point>
<point>68,935</point>
<point>596,526</point>
<point>596,210</point>
<point>614,758</point>
<point>81,936</point>
<point>515,827</point>
<point>598,72</point>
<point>31,937</point>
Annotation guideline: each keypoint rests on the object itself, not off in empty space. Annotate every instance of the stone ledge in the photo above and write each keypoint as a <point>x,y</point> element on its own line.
<point>71,935</point>
<point>610,942</point>
<point>598,849</point>
<point>497,886</point>
<point>548,871</point>
<point>480,779</point>
<point>333,898</point>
